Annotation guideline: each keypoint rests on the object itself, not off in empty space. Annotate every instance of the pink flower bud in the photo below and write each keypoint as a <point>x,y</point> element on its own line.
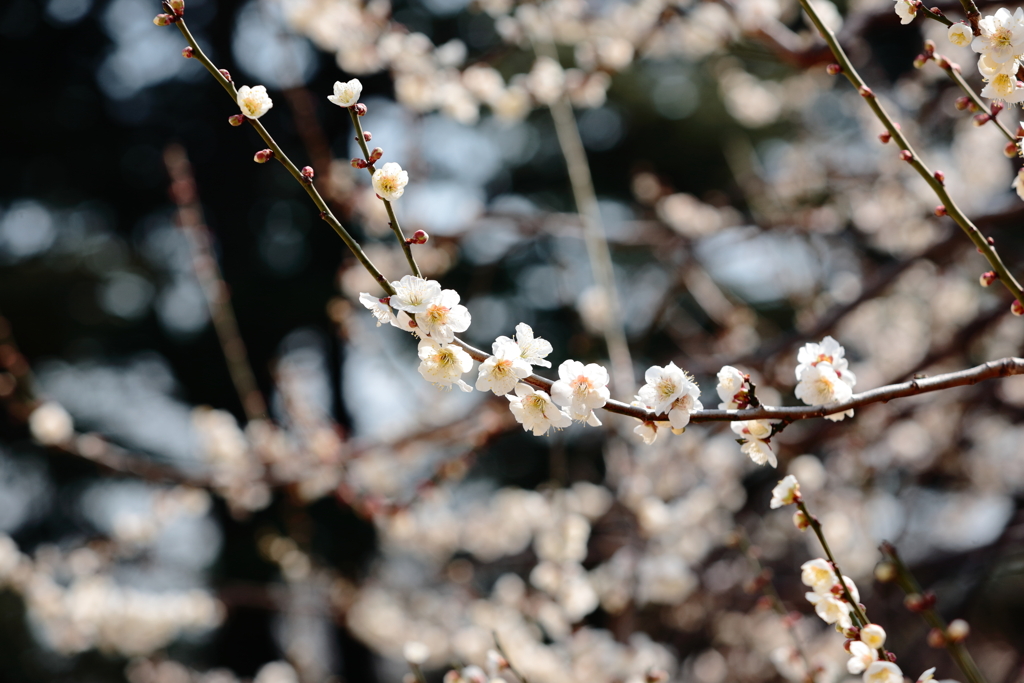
<point>906,155</point>
<point>972,106</point>
<point>1011,150</point>
<point>163,20</point>
<point>936,638</point>
<point>307,172</point>
<point>940,176</point>
<point>1017,308</point>
<point>996,107</point>
<point>946,64</point>
<point>225,73</point>
<point>800,520</point>
<point>914,602</point>
<point>367,136</point>
<point>236,120</point>
<point>988,277</point>
<point>865,91</point>
<point>891,656</point>
<point>981,119</point>
<point>418,237</point>
<point>359,163</point>
<point>263,156</point>
<point>958,630</point>
<point>177,6</point>
<point>187,52</point>
<point>359,108</point>
<point>929,47</point>
<point>833,69</point>
<point>940,210</point>
<point>376,154</point>
<point>885,137</point>
<point>962,103</point>
<point>920,61</point>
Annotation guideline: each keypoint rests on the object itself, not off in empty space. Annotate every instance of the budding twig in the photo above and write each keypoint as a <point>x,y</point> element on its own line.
<point>957,78</point>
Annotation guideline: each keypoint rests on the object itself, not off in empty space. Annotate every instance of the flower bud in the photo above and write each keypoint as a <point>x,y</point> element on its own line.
<point>936,638</point>
<point>885,137</point>
<point>367,136</point>
<point>996,107</point>
<point>833,69</point>
<point>940,210</point>
<point>307,173</point>
<point>1017,308</point>
<point>885,572</point>
<point>1011,150</point>
<point>972,106</point>
<point>946,64</point>
<point>419,237</point>
<point>962,103</point>
<point>376,154</point>
<point>906,155</point>
<point>958,630</point>
<point>914,602</point>
<point>981,119</point>
<point>163,20</point>
<point>800,520</point>
<point>236,120</point>
<point>865,91</point>
<point>359,108</point>
<point>187,52</point>
<point>920,61</point>
<point>359,163</point>
<point>225,73</point>
<point>988,277</point>
<point>177,6</point>
<point>940,176</point>
<point>263,156</point>
<point>929,47</point>
<point>891,656</point>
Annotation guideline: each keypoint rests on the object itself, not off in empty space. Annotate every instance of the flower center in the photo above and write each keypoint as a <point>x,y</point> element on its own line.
<point>666,387</point>
<point>503,368</point>
<point>536,402</point>
<point>582,386</point>
<point>437,314</point>
<point>445,358</point>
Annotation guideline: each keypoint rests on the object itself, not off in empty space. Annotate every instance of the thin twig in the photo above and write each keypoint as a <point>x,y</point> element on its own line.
<point>954,74</point>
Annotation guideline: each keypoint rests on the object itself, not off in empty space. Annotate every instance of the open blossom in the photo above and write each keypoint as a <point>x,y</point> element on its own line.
<point>1018,183</point>
<point>413,294</point>
<point>531,349</point>
<point>730,382</point>
<point>906,11</point>
<point>502,371</point>
<point>346,94</point>
<point>828,351</point>
<point>755,434</point>
<point>1002,35</point>
<point>444,365</point>
<point>818,575</point>
<point>786,492</point>
<point>380,310</point>
<point>648,431</point>
<point>927,675</point>
<point>861,657</point>
<point>535,410</point>
<point>883,672</point>
<point>831,610</point>
<point>960,34</point>
<point>820,385</point>
<point>443,317</point>
<point>581,388</point>
<point>254,102</point>
<point>389,181</point>
<point>665,385</point>
<point>679,413</point>
<point>873,636</point>
<point>1004,86</point>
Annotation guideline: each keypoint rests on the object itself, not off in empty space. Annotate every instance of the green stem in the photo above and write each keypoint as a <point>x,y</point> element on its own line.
<point>906,580</point>
<point>406,247</point>
<point>937,186</point>
<point>325,211</point>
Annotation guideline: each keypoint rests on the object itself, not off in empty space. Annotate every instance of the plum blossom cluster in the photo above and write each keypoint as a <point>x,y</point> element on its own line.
<point>668,390</point>
<point>823,376</point>
<point>999,44</point>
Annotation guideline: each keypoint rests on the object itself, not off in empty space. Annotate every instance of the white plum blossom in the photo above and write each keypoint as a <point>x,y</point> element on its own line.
<point>1002,35</point>
<point>254,102</point>
<point>413,294</point>
<point>861,657</point>
<point>883,672</point>
<point>873,636</point>
<point>820,385</point>
<point>502,371</point>
<point>960,34</point>
<point>443,317</point>
<point>648,431</point>
<point>755,434</point>
<point>665,385</point>
<point>346,94</point>
<point>730,382</point>
<point>832,610</point>
<point>380,310</point>
<point>389,181</point>
<point>679,413</point>
<point>531,349</point>
<point>926,675</point>
<point>581,388</point>
<point>818,575</point>
<point>444,365</point>
<point>786,492</point>
<point>906,11</point>
<point>828,351</point>
<point>535,410</point>
<point>1004,86</point>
